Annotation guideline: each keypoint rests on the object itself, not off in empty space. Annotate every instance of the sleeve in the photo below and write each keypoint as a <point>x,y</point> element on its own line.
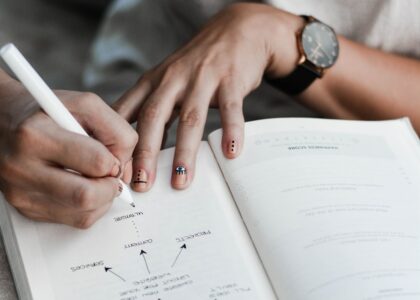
<point>134,37</point>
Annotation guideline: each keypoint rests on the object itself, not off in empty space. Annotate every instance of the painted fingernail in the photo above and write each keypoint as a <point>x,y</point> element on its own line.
<point>116,170</point>
<point>140,179</point>
<point>120,189</point>
<point>180,175</point>
<point>231,147</point>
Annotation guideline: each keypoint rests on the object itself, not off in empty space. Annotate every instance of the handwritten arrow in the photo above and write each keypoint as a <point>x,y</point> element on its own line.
<point>108,269</point>
<point>142,253</point>
<point>183,247</point>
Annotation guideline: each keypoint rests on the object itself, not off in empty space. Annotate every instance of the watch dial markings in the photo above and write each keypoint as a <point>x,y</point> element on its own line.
<point>320,44</point>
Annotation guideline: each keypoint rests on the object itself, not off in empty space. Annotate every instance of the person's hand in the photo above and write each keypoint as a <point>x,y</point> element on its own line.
<point>36,157</point>
<point>217,68</point>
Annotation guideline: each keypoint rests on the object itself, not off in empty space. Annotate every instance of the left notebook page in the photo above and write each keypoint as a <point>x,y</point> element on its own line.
<point>174,245</point>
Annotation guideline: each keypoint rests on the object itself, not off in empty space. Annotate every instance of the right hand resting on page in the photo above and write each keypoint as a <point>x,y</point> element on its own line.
<point>35,153</point>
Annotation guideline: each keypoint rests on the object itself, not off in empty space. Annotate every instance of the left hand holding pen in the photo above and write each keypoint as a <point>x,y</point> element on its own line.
<point>217,68</point>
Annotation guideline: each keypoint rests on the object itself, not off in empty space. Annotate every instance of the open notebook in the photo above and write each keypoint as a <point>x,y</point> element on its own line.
<point>312,209</point>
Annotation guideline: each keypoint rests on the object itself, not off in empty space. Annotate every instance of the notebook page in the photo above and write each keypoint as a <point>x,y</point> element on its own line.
<point>174,245</point>
<point>332,206</point>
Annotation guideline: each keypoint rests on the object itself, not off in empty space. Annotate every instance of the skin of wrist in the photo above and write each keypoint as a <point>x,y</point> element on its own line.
<point>282,43</point>
<point>273,31</point>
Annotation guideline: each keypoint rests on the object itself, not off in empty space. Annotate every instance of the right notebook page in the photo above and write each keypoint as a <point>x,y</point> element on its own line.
<point>333,207</point>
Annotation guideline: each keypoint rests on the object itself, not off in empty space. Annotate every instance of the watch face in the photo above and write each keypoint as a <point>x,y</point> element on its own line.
<point>320,44</point>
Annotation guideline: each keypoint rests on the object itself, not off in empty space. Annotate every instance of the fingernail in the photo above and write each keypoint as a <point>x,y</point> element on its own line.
<point>231,147</point>
<point>116,170</point>
<point>180,175</point>
<point>140,179</point>
<point>120,189</point>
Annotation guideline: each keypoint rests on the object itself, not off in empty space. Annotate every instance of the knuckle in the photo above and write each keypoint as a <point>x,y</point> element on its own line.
<point>87,100</point>
<point>84,197</point>
<point>231,106</point>
<point>236,85</point>
<point>26,136</point>
<point>131,138</point>
<point>101,163</point>
<point>11,170</point>
<point>151,112</point>
<point>191,118</point>
<point>203,66</point>
<point>173,70</point>
<point>85,221</point>
<point>89,97</point>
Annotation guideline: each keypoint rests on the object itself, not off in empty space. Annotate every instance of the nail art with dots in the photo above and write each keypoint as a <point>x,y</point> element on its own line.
<point>140,178</point>
<point>231,147</point>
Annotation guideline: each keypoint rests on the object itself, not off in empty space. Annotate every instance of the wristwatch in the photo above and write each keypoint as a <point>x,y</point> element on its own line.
<point>318,49</point>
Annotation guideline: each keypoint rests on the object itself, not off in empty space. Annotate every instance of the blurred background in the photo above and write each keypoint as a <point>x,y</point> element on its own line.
<point>54,35</point>
<point>57,37</point>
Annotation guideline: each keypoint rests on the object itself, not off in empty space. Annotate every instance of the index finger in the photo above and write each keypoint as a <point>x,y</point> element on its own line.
<point>190,131</point>
<point>105,125</point>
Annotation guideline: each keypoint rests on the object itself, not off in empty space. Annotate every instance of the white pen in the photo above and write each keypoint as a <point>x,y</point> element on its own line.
<point>48,101</point>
